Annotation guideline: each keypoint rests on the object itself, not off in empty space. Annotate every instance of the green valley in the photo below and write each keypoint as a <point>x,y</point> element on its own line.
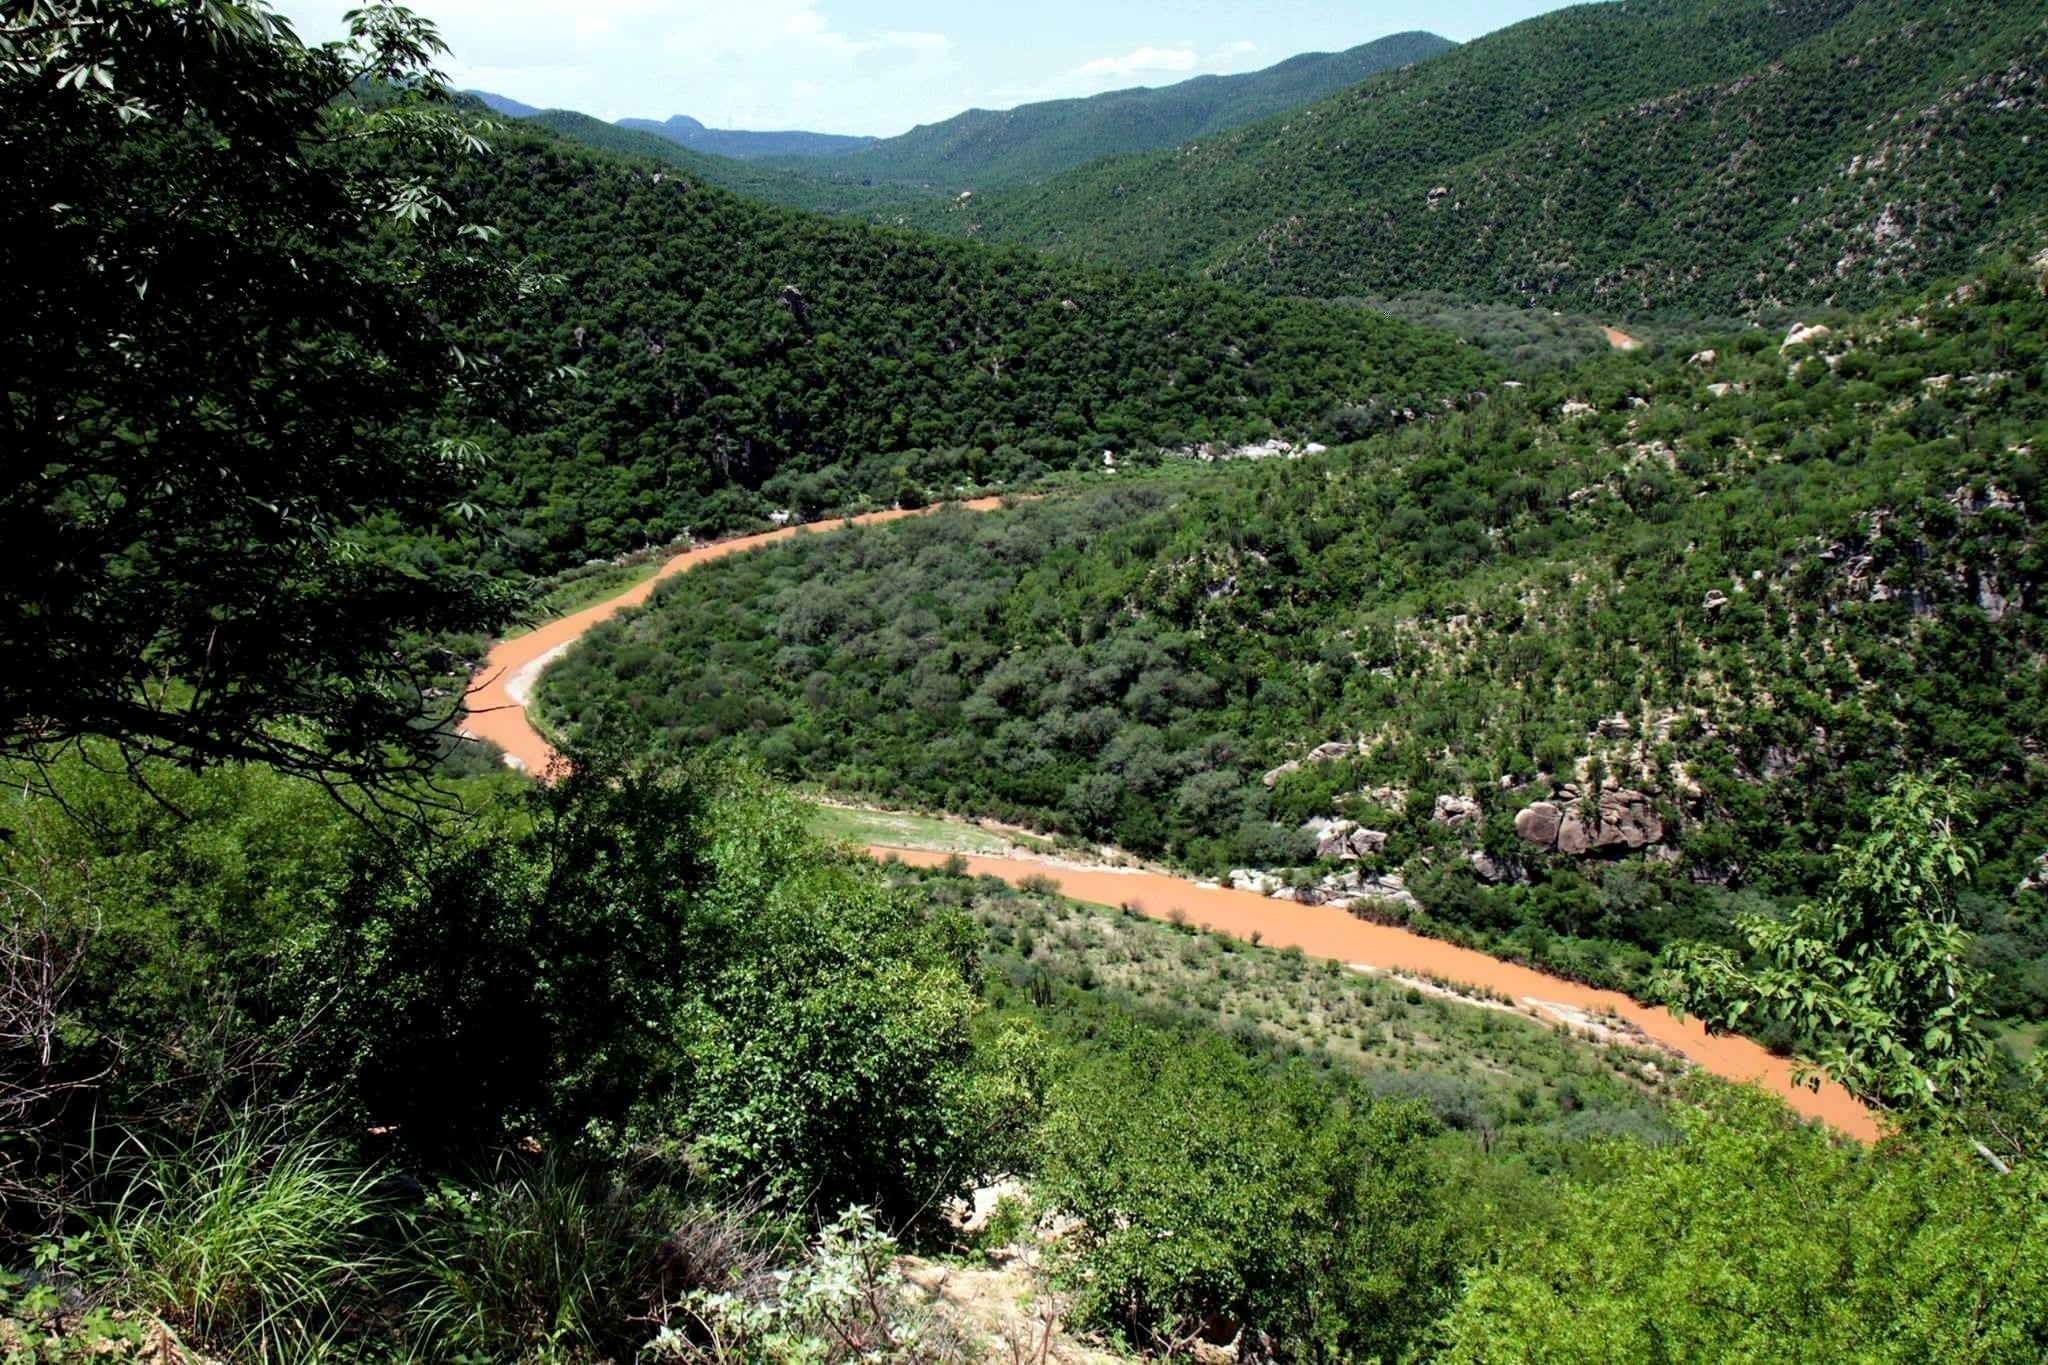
<point>1496,525</point>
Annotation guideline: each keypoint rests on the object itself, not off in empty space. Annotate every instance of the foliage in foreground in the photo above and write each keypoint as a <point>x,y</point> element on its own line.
<point>1756,1239</point>
<point>1218,1202</point>
<point>224,335</point>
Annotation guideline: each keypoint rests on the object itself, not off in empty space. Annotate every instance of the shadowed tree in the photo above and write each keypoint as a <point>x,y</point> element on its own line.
<point>225,329</point>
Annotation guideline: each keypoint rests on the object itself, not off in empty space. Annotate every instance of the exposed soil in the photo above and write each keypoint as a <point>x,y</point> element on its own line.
<point>1620,340</point>
<point>497,713</point>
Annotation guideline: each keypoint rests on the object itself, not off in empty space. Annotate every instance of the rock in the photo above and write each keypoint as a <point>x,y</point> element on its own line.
<point>1322,753</point>
<point>1387,891</point>
<point>1626,820</point>
<point>1368,843</point>
<point>1714,600</point>
<point>1571,835</point>
<point>793,300</point>
<point>1333,837</point>
<point>1457,810</point>
<point>1778,763</point>
<point>1250,879</point>
<point>1493,871</point>
<point>1575,408</point>
<point>2036,880</point>
<point>1702,358</point>
<point>1615,726</point>
<point>1538,824</point>
<point>1801,334</point>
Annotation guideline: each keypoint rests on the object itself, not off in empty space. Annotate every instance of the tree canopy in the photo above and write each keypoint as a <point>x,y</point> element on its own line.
<point>226,312</point>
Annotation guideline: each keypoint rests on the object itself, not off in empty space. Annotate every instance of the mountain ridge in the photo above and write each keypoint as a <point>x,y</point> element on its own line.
<point>982,146</point>
<point>742,144</point>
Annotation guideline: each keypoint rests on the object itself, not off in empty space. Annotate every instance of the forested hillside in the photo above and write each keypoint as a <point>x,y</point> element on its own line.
<point>1706,601</point>
<point>998,147</point>
<point>1702,155</point>
<point>730,358</point>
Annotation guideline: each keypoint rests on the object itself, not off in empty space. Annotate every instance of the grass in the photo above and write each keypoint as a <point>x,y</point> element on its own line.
<point>897,829</point>
<point>578,588</point>
<point>250,1244</point>
<point>1477,1067</point>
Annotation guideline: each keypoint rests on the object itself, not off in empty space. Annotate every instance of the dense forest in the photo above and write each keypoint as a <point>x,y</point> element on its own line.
<point>727,359</point>
<point>1690,155</point>
<point>323,1039</point>
<point>1743,584</point>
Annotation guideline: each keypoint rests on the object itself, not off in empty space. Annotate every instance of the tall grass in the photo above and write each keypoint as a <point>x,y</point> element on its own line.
<point>251,1244</point>
<point>553,1265</point>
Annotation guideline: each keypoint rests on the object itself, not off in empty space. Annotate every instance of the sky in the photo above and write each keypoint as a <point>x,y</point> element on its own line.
<point>880,67</point>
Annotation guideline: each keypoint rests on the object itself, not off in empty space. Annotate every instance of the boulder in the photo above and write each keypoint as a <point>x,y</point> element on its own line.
<point>1250,879</point>
<point>1572,838</point>
<point>1615,726</point>
<point>1493,871</point>
<point>1368,843</point>
<point>1702,358</point>
<point>1275,774</point>
<point>1801,334</point>
<point>1620,819</point>
<point>1457,810</point>
<point>1333,837</point>
<point>1626,820</point>
<point>1331,752</point>
<point>1539,824</point>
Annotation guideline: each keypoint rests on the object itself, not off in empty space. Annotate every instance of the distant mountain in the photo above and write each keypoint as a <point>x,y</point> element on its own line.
<point>1714,155</point>
<point>980,147</point>
<point>742,145</point>
<point>753,179</point>
<point>501,104</point>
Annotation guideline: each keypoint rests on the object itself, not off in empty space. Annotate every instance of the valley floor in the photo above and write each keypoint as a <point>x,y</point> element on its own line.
<point>498,713</point>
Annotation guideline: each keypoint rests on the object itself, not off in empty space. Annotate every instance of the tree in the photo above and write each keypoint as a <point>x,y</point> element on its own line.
<point>1876,974</point>
<point>1756,1238</point>
<point>225,327</point>
<point>1214,1200</point>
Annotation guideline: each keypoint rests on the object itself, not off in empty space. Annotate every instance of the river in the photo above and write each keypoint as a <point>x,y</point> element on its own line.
<point>498,713</point>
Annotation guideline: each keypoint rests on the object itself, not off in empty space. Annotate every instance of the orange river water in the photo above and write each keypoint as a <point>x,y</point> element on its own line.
<point>497,712</point>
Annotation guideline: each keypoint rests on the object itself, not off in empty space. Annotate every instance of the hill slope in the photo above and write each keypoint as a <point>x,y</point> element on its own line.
<point>735,357</point>
<point>744,145</point>
<point>1703,154</point>
<point>983,147</point>
<point>1739,589</point>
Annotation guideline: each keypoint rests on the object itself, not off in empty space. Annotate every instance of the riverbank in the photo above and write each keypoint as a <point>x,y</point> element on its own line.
<point>498,714</point>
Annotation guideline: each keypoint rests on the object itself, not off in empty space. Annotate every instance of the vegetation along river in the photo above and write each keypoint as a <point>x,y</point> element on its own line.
<point>497,712</point>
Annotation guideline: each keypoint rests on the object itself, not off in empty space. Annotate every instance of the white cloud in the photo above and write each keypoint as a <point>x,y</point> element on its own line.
<point>1139,60</point>
<point>759,64</point>
<point>1230,54</point>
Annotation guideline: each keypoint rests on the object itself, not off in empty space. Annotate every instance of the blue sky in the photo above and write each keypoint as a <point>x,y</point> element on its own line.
<point>881,66</point>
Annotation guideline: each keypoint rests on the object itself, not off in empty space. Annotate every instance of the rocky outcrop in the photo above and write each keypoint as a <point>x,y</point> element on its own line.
<point>2036,880</point>
<point>1251,879</point>
<point>1344,840</point>
<point>1322,753</point>
<point>1801,334</point>
<point>1496,870</point>
<point>1456,811</point>
<point>1621,820</point>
